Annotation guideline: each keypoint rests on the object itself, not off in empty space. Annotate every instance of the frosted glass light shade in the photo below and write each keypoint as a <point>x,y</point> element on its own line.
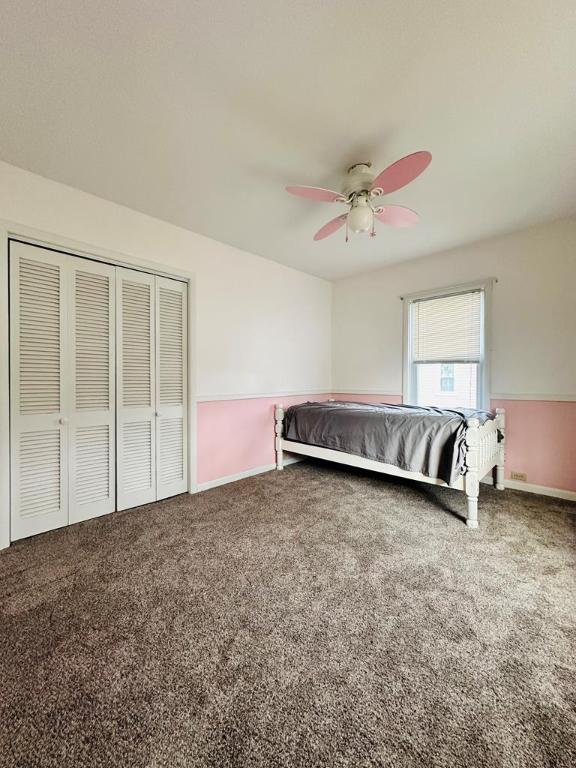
<point>360,218</point>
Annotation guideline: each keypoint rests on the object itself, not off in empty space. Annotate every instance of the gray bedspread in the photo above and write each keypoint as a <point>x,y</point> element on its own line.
<point>414,438</point>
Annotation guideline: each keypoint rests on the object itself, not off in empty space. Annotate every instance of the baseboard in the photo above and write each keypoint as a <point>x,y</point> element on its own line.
<point>543,490</point>
<point>242,475</point>
<point>515,485</point>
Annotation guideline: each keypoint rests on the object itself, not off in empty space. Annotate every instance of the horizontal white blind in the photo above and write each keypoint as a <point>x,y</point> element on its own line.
<point>447,329</point>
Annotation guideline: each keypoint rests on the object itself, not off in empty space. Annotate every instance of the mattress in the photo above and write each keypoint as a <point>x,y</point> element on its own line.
<point>421,439</point>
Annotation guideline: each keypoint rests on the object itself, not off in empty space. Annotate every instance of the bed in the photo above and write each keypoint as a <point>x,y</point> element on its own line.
<point>454,448</point>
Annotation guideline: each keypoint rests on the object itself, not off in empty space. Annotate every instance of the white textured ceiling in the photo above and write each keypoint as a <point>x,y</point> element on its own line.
<point>200,111</point>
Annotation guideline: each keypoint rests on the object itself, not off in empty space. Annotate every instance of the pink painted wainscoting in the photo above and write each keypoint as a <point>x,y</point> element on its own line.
<point>540,438</point>
<point>541,441</point>
<point>236,436</point>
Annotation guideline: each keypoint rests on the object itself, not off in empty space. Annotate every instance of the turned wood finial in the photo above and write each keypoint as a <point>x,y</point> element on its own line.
<point>278,428</point>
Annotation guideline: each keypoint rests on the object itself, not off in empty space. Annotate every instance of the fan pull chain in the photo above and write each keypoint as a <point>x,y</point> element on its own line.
<point>373,231</point>
<point>346,229</point>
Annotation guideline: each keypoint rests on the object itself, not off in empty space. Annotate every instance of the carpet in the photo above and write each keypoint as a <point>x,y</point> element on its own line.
<point>319,616</point>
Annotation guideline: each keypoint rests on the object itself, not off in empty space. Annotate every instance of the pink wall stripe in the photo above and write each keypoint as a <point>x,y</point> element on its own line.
<point>238,435</point>
<point>235,436</point>
<point>540,438</point>
<point>541,441</point>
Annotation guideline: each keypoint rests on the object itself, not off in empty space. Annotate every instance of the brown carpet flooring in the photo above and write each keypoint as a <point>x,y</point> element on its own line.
<point>315,617</point>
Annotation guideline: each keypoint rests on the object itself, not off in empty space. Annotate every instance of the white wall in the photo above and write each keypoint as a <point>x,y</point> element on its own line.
<point>261,327</point>
<point>533,313</point>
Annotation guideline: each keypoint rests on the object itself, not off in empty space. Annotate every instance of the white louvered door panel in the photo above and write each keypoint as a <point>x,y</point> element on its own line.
<point>135,388</point>
<point>93,385</point>
<point>171,389</point>
<point>38,389</point>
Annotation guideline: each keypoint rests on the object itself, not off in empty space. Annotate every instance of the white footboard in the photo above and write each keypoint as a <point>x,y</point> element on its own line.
<point>484,453</point>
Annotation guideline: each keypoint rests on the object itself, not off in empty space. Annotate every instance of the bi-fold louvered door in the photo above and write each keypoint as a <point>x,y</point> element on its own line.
<point>136,419</point>
<point>98,388</point>
<point>38,390</point>
<point>152,388</point>
<point>62,389</point>
<point>92,390</point>
<point>171,388</point>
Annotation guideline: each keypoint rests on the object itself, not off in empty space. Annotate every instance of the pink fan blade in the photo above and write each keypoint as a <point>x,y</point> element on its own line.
<point>402,172</point>
<point>331,227</point>
<point>315,193</point>
<point>397,216</point>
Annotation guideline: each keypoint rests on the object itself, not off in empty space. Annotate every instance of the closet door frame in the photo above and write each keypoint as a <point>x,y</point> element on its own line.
<point>10,230</point>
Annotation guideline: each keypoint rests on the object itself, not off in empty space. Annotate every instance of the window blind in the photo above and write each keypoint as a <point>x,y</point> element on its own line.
<point>447,329</point>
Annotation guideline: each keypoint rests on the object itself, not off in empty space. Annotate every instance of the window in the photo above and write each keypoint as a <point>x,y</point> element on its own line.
<point>444,348</point>
<point>447,377</point>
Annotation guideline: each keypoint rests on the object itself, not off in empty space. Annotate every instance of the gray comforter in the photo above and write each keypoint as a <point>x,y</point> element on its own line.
<point>414,438</point>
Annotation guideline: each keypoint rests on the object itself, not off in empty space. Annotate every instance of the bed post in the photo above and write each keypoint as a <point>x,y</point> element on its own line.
<point>279,425</point>
<point>471,479</point>
<point>501,425</point>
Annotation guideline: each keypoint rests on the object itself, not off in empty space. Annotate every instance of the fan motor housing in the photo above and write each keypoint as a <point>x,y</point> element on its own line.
<point>359,178</point>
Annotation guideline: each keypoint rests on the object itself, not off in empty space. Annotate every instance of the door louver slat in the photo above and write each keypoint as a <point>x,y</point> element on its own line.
<point>170,346</point>
<point>138,468</point>
<point>92,302</point>
<point>92,464</point>
<point>136,344</point>
<point>39,338</point>
<point>171,450</point>
<point>39,485</point>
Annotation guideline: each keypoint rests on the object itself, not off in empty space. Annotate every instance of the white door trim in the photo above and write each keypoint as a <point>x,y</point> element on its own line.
<point>56,241</point>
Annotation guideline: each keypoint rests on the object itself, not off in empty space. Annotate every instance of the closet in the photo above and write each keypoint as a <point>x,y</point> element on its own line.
<point>98,388</point>
<point>151,412</point>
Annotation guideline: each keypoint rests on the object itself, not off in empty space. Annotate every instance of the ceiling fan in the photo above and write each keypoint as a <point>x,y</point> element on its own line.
<point>362,192</point>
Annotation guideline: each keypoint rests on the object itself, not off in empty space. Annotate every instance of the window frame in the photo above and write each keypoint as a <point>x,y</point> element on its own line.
<point>409,367</point>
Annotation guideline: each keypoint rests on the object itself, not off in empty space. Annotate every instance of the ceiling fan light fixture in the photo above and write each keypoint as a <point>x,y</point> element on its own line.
<point>359,193</point>
<point>360,217</point>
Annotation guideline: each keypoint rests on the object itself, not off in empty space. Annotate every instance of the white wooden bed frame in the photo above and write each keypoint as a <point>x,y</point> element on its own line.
<point>483,454</point>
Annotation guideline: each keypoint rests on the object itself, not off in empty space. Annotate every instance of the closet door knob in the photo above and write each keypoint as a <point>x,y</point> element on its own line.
<point>63,420</point>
